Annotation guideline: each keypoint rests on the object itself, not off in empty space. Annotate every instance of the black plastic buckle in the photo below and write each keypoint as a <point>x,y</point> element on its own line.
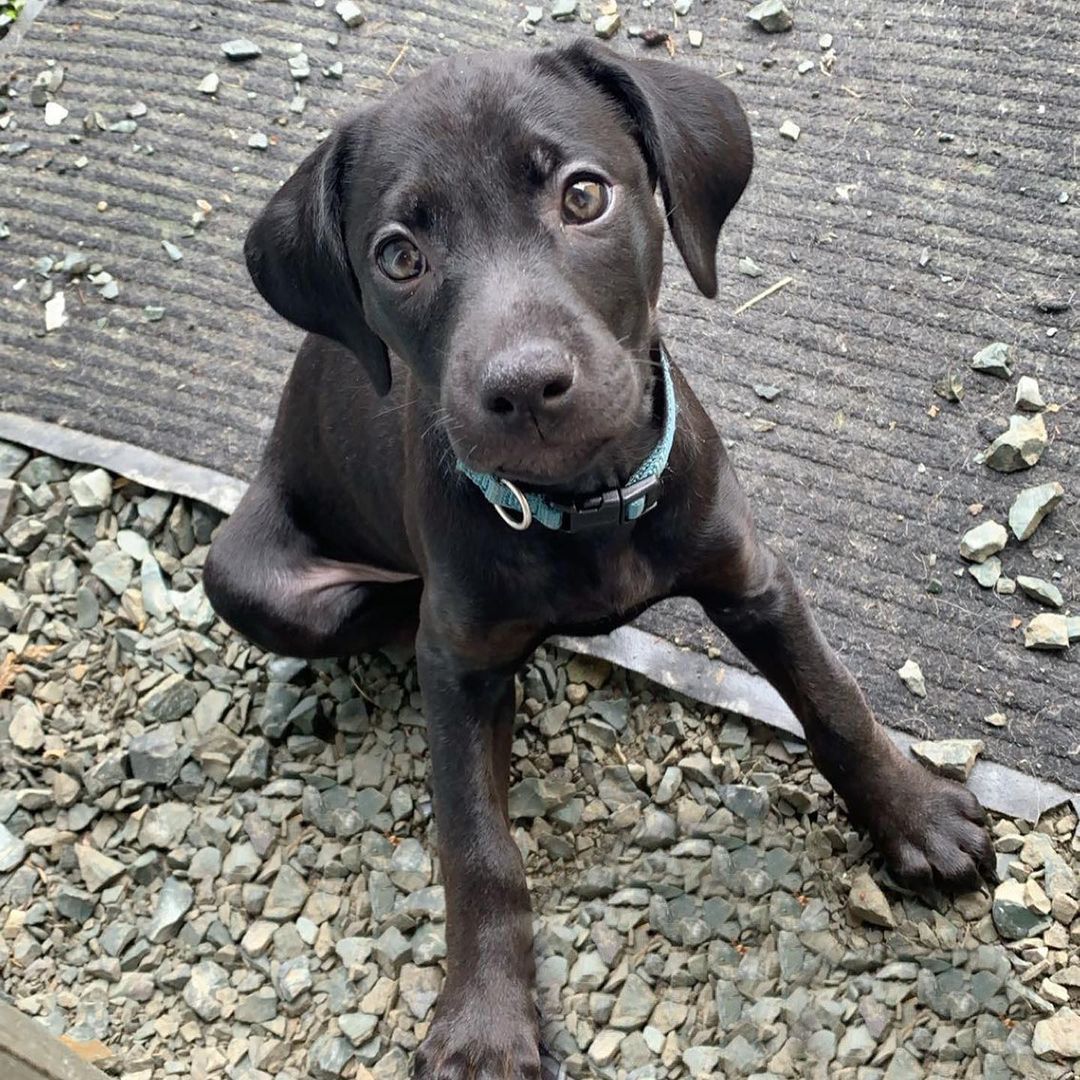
<point>609,507</point>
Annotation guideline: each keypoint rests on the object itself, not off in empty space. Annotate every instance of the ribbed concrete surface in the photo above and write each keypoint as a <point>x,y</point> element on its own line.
<point>857,484</point>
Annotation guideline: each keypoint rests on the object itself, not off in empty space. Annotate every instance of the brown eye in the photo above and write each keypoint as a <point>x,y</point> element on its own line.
<point>584,200</point>
<point>400,259</point>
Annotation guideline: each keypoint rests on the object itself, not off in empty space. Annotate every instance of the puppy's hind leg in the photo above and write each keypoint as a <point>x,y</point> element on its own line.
<point>264,577</point>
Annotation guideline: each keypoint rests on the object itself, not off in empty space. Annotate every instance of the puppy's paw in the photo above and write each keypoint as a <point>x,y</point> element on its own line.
<point>932,831</point>
<point>480,1041</point>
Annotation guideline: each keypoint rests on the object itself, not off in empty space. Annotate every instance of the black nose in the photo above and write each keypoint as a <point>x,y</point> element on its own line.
<point>535,379</point>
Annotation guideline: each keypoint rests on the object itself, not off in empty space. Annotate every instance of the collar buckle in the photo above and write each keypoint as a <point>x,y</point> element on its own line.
<point>619,506</point>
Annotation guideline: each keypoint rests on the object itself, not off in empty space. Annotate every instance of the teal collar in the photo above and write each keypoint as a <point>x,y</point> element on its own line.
<point>617,506</point>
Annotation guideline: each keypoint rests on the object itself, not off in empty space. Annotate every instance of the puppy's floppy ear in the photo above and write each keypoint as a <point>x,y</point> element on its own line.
<point>297,257</point>
<point>695,138</point>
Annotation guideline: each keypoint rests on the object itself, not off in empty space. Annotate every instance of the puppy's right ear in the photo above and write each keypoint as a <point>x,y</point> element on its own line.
<point>693,134</point>
<point>297,257</point>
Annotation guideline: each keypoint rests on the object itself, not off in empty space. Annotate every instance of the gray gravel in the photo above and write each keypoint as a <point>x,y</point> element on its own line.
<point>220,863</point>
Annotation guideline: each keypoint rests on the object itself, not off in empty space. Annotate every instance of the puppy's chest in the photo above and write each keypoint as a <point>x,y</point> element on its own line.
<point>600,585</point>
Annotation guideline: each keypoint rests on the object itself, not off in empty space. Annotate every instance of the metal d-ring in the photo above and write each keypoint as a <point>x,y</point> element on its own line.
<point>522,523</point>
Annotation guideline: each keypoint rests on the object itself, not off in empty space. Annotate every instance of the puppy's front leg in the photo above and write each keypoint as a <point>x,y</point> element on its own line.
<point>485,1025</point>
<point>930,829</point>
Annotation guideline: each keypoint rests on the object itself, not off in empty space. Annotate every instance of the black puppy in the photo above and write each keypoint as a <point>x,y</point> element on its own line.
<point>477,259</point>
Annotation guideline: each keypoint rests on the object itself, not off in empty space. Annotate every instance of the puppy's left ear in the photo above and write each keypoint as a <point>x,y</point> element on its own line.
<point>695,138</point>
<point>297,257</point>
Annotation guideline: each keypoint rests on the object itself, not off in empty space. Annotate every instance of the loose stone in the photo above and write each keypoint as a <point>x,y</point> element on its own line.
<point>995,359</point>
<point>174,902</point>
<point>607,26</point>
<point>55,312</point>
<point>988,573</point>
<point>1031,506</point>
<point>1012,916</point>
<point>773,16</point>
<point>12,850</point>
<point>979,543</point>
<point>240,49</point>
<point>155,758</point>
<point>172,699</point>
<point>912,677</point>
<point>1047,631</point>
<point>633,1006</point>
<point>954,758</point>
<point>348,11</point>
<point>1028,397</point>
<point>55,114</point>
<point>1058,1036</point>
<point>201,991</point>
<point>25,730</point>
<point>287,895</point>
<point>1043,591</point>
<point>866,901</point>
<point>1018,448</point>
<point>97,869</point>
<point>92,490</point>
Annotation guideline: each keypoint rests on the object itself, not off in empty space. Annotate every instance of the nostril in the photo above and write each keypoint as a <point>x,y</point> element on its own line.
<point>556,388</point>
<point>526,380</point>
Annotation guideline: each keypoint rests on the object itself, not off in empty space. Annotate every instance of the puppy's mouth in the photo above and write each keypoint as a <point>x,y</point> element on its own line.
<point>555,467</point>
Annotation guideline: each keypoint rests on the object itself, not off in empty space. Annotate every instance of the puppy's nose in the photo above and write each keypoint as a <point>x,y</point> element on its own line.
<point>535,379</point>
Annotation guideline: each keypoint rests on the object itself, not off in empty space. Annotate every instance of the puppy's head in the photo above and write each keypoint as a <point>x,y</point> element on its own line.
<point>494,224</point>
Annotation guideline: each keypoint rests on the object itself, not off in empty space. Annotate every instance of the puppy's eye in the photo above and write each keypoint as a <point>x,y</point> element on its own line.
<point>400,259</point>
<point>585,199</point>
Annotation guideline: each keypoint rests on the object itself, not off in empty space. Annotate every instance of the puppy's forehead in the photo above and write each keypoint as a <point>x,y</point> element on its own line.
<point>493,119</point>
